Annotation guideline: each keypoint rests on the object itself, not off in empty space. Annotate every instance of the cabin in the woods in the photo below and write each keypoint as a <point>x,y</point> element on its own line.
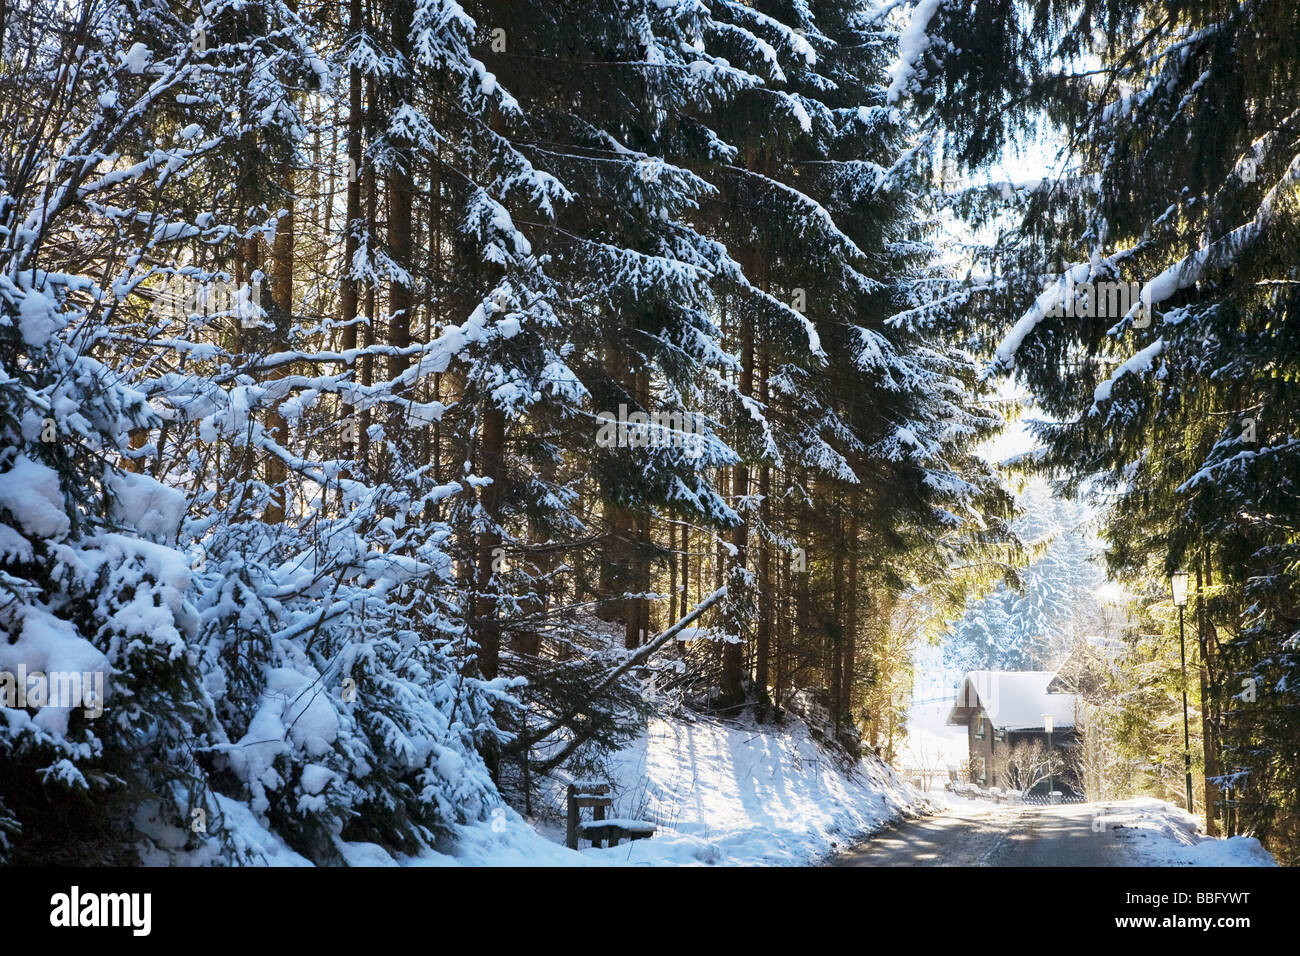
<point>1001,709</point>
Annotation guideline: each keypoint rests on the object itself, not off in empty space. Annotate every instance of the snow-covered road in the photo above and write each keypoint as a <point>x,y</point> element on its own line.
<point>1125,833</point>
<point>1005,836</point>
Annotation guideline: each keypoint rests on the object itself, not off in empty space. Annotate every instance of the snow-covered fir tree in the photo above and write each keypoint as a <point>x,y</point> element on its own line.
<point>1033,622</point>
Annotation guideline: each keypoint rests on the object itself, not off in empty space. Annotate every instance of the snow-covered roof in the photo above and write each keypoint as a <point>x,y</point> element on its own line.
<point>1013,700</point>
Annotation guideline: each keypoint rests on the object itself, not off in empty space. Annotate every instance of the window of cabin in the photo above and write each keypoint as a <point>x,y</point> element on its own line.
<point>979,771</point>
<point>979,728</point>
<point>1000,735</point>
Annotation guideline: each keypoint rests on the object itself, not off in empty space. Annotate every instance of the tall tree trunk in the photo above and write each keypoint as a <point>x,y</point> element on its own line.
<point>637,627</point>
<point>763,629</point>
<point>401,297</point>
<point>733,653</point>
<point>367,335</point>
<point>783,629</point>
<point>617,567</point>
<point>686,567</point>
<point>802,571</point>
<point>528,640</point>
<point>673,559</point>
<point>1209,737</point>
<point>282,251</point>
<point>837,621</point>
<point>492,437</point>
<point>850,621</point>
<point>349,298</point>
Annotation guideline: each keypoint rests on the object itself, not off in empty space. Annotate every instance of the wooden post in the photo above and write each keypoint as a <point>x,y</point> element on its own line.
<point>571,826</point>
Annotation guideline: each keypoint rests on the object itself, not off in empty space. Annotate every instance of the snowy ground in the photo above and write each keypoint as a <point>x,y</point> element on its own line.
<point>1156,833</point>
<point>730,793</point>
<point>721,793</point>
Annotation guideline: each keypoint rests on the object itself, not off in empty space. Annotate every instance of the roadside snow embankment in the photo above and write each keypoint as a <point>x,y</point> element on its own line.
<point>1156,833</point>
<point>720,793</point>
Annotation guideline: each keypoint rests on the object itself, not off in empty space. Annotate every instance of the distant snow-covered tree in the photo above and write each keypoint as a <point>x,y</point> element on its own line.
<point>1032,625</point>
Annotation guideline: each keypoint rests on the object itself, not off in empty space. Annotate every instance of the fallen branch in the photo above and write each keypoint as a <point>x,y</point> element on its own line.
<point>637,657</point>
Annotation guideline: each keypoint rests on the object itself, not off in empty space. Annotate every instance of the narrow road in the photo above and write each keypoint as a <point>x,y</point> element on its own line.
<point>1067,835</point>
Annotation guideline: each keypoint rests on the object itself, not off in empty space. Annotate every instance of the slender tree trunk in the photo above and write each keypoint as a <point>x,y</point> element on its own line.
<point>528,640</point>
<point>367,335</point>
<point>686,566</point>
<point>637,622</point>
<point>783,629</point>
<point>491,457</point>
<point>1209,737</point>
<point>802,576</point>
<point>733,654</point>
<point>672,572</point>
<point>618,561</point>
<point>282,256</point>
<point>763,629</point>
<point>850,621</point>
<point>349,299</point>
<point>401,298</point>
<point>837,635</point>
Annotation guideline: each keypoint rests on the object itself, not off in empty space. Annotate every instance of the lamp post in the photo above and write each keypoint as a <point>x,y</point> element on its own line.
<point>1178,583</point>
<point>1048,724</point>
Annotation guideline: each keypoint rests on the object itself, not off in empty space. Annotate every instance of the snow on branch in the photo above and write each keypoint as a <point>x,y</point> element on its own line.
<point>1141,362</point>
<point>912,44</point>
<point>1221,253</point>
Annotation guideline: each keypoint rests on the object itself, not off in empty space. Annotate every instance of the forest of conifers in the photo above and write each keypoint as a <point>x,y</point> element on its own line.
<point>401,399</point>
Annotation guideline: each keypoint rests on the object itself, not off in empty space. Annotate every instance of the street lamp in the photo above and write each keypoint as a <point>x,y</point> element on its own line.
<point>1178,582</point>
<point>1048,724</point>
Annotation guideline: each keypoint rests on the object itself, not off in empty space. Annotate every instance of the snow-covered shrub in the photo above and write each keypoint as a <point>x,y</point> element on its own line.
<point>342,686</point>
<point>90,585</point>
<point>304,672</point>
